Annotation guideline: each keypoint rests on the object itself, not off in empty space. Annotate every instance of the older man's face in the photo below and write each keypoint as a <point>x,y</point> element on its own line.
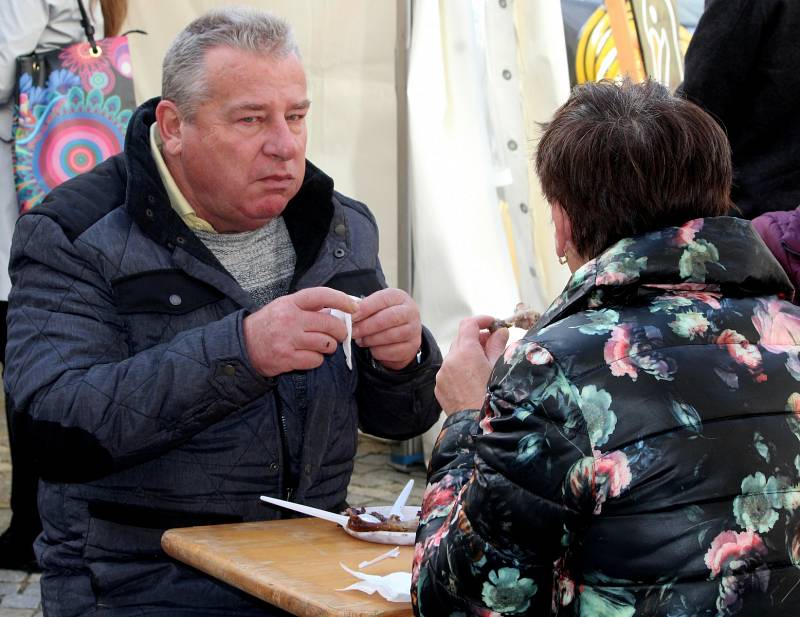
<point>243,152</point>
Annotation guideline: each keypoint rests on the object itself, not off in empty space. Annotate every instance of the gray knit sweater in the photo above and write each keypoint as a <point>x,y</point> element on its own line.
<point>261,261</point>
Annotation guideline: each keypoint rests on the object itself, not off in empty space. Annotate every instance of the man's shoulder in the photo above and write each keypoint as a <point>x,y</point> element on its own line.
<point>80,202</point>
<point>353,207</point>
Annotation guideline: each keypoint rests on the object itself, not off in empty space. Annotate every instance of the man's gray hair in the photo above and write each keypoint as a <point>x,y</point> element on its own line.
<point>183,78</point>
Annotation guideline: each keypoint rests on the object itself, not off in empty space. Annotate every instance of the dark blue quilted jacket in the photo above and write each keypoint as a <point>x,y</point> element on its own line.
<point>148,415</point>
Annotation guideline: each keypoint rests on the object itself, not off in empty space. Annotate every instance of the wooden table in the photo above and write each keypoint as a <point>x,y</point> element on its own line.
<point>293,564</point>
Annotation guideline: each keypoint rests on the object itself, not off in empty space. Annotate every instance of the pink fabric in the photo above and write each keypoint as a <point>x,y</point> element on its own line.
<point>781,233</point>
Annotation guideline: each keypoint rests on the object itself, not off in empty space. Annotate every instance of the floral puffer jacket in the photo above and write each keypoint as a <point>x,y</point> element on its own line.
<point>638,452</point>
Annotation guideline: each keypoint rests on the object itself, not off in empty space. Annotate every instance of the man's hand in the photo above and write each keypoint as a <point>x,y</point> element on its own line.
<point>388,323</point>
<point>290,333</point>
<point>461,382</point>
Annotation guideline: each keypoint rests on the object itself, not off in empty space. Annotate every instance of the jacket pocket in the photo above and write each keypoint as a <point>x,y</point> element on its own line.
<point>159,304</point>
<point>170,292</point>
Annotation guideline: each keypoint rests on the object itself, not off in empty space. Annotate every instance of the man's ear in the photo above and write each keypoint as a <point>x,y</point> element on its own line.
<point>170,123</point>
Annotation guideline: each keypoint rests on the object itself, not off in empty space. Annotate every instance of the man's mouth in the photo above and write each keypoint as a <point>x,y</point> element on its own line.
<point>276,181</point>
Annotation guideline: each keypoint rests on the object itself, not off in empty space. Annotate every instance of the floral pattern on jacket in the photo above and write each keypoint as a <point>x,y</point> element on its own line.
<point>638,452</point>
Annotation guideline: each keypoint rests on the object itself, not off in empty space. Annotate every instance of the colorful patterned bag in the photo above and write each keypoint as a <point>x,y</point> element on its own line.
<point>72,109</point>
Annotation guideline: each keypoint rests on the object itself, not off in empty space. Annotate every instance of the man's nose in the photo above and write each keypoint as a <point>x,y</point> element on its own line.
<point>281,142</point>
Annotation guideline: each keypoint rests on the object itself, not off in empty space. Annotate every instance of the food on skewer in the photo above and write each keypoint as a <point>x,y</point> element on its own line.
<point>524,317</point>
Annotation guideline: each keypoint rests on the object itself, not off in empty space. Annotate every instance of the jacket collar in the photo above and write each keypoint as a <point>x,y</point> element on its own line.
<point>308,214</point>
<point>718,254</point>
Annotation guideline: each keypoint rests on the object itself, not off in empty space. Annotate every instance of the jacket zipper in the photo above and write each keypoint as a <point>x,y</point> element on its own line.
<point>288,490</point>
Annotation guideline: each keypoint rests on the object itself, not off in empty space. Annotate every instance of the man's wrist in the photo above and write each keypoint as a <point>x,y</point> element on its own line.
<point>415,362</point>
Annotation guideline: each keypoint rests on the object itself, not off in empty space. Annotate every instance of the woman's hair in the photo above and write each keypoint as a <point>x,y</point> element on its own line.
<point>623,159</point>
<point>183,77</point>
<point>114,13</point>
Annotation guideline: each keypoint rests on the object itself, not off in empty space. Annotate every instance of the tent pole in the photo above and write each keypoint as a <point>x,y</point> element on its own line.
<point>402,46</point>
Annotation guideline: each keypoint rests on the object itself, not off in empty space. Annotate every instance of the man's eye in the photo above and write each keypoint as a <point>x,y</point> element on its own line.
<point>248,120</point>
<point>295,117</point>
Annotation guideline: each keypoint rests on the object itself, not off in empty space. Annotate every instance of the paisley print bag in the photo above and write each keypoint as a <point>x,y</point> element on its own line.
<point>72,107</point>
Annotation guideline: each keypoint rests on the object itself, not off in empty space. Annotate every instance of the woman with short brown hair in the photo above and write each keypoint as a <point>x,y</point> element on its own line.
<point>637,452</point>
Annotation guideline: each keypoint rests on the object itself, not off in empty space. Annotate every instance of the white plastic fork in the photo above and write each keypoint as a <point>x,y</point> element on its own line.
<point>395,552</point>
<point>402,498</point>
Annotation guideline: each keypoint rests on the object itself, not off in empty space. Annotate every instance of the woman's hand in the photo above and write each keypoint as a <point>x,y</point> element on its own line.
<point>461,382</point>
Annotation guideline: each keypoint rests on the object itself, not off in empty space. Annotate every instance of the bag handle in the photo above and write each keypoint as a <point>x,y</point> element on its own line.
<point>88,28</point>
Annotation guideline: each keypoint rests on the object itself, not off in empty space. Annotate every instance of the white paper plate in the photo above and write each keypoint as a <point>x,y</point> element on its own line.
<point>402,538</point>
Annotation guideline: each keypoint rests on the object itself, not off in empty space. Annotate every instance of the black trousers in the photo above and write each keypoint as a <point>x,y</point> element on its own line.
<point>25,523</point>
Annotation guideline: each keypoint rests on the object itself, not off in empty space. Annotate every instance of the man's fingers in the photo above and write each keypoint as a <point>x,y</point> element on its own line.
<point>317,298</point>
<point>316,341</point>
<point>326,324</point>
<point>470,327</point>
<point>484,321</point>
<point>379,301</point>
<point>401,334</point>
<point>392,317</point>
<point>496,345</point>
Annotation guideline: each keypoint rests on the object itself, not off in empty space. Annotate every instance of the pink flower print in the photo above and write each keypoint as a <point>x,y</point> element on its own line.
<point>793,404</point>
<point>743,352</point>
<point>488,414</point>
<point>419,553</point>
<point>687,232</point>
<point>616,352</point>
<point>434,540</point>
<point>508,354</point>
<point>95,71</point>
<point>79,58</point>
<point>610,277</point>
<point>439,498</point>
<point>712,299</point>
<point>733,545</point>
<point>612,476</point>
<point>777,327</point>
<point>537,355</point>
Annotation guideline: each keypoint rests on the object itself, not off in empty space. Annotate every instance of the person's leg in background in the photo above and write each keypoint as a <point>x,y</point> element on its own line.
<point>16,543</point>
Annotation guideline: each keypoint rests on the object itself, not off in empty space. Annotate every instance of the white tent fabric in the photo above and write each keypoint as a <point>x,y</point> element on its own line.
<point>461,262</point>
<point>474,210</point>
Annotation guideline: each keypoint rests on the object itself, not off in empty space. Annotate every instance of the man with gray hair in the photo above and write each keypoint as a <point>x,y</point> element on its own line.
<point>172,350</point>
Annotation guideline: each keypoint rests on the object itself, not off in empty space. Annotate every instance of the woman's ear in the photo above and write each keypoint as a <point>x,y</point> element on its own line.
<point>563,230</point>
<point>170,122</point>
